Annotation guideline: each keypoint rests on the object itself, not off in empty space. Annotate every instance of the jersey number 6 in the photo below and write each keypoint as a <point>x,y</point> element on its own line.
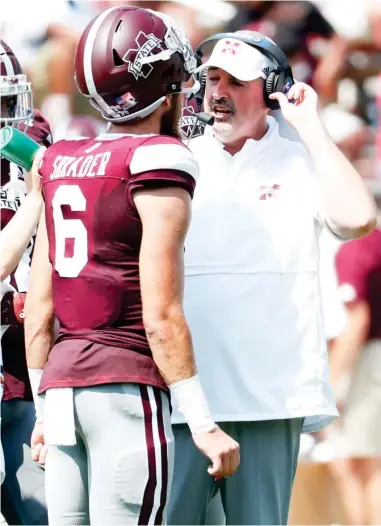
<point>69,266</point>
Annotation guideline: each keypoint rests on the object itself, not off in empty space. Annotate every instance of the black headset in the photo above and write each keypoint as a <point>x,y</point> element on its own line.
<point>279,79</point>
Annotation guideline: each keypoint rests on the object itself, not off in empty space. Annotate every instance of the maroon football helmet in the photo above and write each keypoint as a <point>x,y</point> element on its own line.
<point>129,59</point>
<point>15,90</point>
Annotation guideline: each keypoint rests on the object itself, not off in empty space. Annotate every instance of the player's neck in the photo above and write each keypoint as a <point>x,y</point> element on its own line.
<point>143,127</point>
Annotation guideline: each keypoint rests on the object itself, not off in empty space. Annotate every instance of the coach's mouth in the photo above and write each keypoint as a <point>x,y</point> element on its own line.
<point>221,113</point>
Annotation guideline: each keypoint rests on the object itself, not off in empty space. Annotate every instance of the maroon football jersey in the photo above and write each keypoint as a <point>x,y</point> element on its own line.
<point>12,192</point>
<point>94,233</point>
<point>358,264</point>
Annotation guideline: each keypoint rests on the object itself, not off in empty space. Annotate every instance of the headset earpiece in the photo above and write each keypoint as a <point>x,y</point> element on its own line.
<point>201,78</point>
<point>269,88</point>
<point>199,95</point>
<point>277,81</point>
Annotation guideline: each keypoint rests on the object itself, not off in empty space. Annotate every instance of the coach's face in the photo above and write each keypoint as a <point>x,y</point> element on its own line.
<point>238,107</point>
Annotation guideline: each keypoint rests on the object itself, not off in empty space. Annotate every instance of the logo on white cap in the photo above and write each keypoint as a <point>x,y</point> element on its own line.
<point>231,47</point>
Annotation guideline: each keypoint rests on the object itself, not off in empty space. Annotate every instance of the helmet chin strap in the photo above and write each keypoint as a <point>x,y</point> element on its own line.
<point>193,89</point>
<point>166,55</point>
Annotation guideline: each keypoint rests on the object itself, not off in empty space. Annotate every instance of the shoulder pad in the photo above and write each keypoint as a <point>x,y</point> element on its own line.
<point>163,153</point>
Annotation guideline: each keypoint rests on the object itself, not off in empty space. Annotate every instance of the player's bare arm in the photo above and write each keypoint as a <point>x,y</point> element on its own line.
<point>16,236</point>
<point>349,207</point>
<point>39,315</point>
<point>39,329</point>
<point>165,215</point>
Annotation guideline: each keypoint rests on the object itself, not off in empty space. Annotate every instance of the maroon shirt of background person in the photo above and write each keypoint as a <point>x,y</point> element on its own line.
<point>95,233</point>
<point>378,133</point>
<point>358,264</point>
<point>16,380</point>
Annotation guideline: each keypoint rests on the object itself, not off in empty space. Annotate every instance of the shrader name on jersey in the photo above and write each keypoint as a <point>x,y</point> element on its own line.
<point>85,166</point>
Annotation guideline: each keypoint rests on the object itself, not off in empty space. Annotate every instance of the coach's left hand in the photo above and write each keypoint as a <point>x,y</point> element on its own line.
<point>299,106</point>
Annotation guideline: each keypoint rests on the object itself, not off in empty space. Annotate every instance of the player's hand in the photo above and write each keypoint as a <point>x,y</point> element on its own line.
<point>33,178</point>
<point>37,444</point>
<point>299,106</point>
<point>221,449</point>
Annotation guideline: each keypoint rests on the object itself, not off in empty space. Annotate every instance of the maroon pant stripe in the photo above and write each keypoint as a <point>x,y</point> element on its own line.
<point>164,457</point>
<point>149,492</point>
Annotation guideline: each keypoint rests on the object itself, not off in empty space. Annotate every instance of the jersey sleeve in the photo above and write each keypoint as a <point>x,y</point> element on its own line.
<point>46,167</point>
<point>39,129</point>
<point>163,162</point>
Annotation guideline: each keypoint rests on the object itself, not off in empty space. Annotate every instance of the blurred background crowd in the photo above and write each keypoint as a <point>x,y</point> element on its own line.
<point>334,45</point>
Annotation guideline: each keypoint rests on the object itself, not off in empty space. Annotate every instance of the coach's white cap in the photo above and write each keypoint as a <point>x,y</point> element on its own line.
<point>242,61</point>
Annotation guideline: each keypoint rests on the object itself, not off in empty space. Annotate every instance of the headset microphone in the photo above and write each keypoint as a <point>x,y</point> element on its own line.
<point>205,118</point>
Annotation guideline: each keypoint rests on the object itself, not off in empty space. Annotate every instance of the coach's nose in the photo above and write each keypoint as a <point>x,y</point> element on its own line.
<point>220,89</point>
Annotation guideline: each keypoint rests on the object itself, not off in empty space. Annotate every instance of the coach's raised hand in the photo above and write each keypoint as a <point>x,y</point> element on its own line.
<point>299,106</point>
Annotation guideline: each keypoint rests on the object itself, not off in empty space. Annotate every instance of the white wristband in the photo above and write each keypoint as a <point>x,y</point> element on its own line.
<point>35,376</point>
<point>190,399</point>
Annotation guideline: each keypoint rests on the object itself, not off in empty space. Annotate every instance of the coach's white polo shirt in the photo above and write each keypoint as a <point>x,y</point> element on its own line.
<point>252,295</point>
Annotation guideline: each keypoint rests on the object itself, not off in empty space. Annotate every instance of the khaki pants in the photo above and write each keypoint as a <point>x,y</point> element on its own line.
<point>359,431</point>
